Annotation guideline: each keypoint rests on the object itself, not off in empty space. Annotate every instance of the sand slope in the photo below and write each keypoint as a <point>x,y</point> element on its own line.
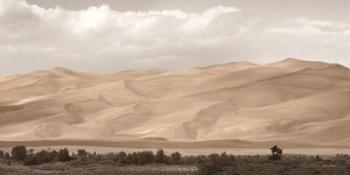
<point>291,101</point>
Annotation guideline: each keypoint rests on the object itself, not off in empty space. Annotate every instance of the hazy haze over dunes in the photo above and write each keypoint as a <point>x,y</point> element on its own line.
<point>291,100</point>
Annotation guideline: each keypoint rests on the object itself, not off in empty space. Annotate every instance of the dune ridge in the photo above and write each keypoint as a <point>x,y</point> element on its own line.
<point>290,101</point>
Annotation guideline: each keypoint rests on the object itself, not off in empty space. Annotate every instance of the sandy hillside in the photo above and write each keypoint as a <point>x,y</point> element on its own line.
<point>291,100</point>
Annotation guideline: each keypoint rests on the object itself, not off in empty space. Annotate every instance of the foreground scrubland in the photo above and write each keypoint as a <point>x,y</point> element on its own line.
<point>62,162</point>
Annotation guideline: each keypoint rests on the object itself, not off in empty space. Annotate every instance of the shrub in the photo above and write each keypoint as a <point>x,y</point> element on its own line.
<point>175,158</point>
<point>7,156</point>
<point>121,157</point>
<point>160,156</point>
<point>54,155</point>
<point>30,160</point>
<point>131,158</point>
<point>145,157</point>
<point>82,154</point>
<point>63,155</point>
<point>2,154</point>
<point>43,157</point>
<point>19,153</point>
<point>209,168</point>
<point>224,159</point>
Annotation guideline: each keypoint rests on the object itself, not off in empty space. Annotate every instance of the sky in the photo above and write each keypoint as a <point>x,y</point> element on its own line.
<point>111,35</point>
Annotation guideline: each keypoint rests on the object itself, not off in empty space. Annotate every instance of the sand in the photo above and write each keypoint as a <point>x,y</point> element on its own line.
<point>291,101</point>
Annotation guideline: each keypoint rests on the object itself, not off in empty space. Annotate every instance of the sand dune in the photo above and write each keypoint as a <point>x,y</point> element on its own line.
<point>291,101</point>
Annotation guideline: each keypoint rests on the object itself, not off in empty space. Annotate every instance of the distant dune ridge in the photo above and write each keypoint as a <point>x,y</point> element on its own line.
<point>290,101</point>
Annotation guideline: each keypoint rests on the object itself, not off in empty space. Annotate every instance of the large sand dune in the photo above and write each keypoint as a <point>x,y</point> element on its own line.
<point>291,101</point>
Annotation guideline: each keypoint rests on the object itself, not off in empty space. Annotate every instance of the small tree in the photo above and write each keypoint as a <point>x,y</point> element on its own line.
<point>160,156</point>
<point>30,160</point>
<point>82,154</point>
<point>121,157</point>
<point>145,157</point>
<point>43,157</point>
<point>131,158</point>
<point>224,159</point>
<point>63,155</point>
<point>175,158</point>
<point>7,158</point>
<point>276,153</point>
<point>2,154</point>
<point>19,153</point>
<point>54,156</point>
<point>31,152</point>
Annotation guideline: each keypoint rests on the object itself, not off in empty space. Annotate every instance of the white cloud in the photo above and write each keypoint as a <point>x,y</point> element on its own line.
<point>103,39</point>
<point>103,36</point>
<point>305,26</point>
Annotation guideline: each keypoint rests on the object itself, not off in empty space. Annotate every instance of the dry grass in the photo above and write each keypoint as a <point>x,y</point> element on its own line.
<point>95,168</point>
<point>243,165</point>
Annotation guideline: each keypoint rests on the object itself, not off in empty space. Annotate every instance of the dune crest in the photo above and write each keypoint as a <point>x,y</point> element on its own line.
<point>292,100</point>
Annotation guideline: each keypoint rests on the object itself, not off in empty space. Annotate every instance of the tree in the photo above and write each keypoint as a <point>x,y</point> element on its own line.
<point>145,157</point>
<point>82,154</point>
<point>30,160</point>
<point>19,153</point>
<point>31,152</point>
<point>160,156</point>
<point>121,157</point>
<point>131,158</point>
<point>63,155</point>
<point>276,153</point>
<point>224,159</point>
<point>54,155</point>
<point>43,156</point>
<point>214,158</point>
<point>2,154</point>
<point>7,158</point>
<point>175,158</point>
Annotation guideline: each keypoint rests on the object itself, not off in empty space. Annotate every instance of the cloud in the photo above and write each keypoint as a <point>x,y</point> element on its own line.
<point>313,39</point>
<point>305,26</point>
<point>105,40</point>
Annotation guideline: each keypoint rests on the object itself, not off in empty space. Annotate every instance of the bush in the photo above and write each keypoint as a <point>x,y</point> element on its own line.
<point>63,155</point>
<point>224,159</point>
<point>209,168</point>
<point>160,156</point>
<point>7,156</point>
<point>175,158</point>
<point>121,157</point>
<point>30,160</point>
<point>82,154</point>
<point>2,154</point>
<point>43,157</point>
<point>145,157</point>
<point>19,153</point>
<point>132,158</point>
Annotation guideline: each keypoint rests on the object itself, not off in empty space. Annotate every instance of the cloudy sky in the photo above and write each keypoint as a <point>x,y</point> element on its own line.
<point>112,35</point>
